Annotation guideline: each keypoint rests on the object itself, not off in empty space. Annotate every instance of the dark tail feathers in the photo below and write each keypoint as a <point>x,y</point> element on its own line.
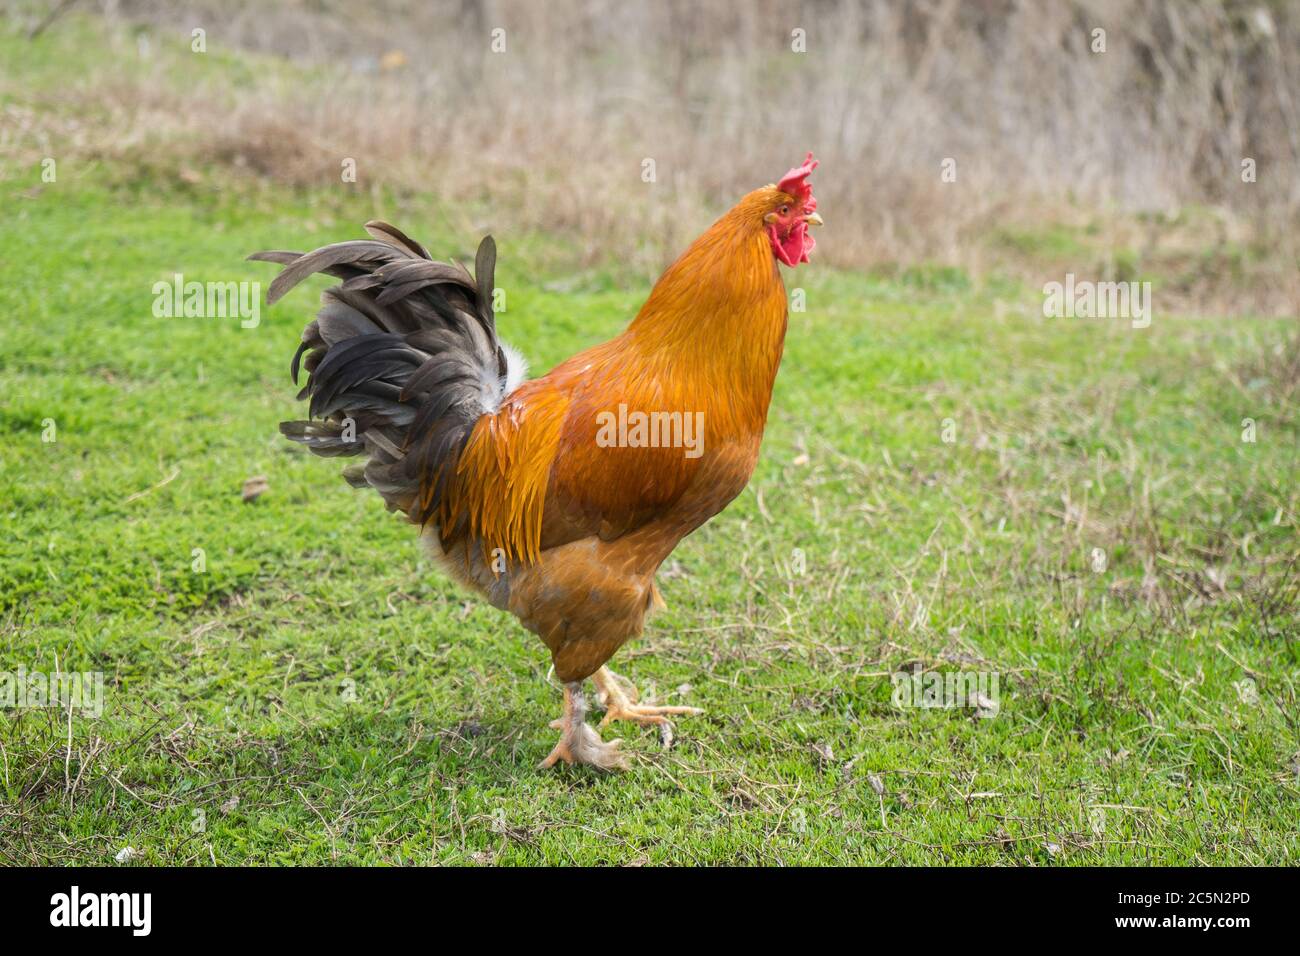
<point>402,360</point>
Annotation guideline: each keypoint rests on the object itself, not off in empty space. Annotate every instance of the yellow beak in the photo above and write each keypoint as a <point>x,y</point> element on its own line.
<point>813,219</point>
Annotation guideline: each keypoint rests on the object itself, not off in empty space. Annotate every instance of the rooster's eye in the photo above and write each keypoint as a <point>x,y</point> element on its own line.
<point>785,210</point>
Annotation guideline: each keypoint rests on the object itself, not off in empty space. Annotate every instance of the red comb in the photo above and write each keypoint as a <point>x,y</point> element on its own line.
<point>793,184</point>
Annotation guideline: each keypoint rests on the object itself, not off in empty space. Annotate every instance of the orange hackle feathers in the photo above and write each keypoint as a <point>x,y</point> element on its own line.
<point>500,485</point>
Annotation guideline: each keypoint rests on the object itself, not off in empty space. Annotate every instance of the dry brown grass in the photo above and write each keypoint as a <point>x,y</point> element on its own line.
<point>555,129</point>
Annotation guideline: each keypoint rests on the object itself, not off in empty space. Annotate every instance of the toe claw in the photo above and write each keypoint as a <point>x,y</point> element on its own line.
<point>561,752</point>
<point>647,713</point>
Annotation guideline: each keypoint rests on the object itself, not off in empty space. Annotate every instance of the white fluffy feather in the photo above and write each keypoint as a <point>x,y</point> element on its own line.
<point>516,369</point>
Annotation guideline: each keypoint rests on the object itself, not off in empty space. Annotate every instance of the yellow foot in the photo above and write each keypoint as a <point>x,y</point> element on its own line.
<point>579,743</point>
<point>621,704</point>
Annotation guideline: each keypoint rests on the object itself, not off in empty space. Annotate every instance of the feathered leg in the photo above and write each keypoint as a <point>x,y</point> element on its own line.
<point>622,705</point>
<point>579,743</point>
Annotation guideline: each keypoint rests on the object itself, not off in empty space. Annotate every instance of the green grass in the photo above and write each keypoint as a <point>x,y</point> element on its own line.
<point>319,694</point>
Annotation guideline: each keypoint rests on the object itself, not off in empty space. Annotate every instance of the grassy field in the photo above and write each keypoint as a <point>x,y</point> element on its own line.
<point>949,482</point>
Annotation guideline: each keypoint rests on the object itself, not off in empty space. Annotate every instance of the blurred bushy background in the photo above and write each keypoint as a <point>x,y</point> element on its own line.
<point>1139,147</point>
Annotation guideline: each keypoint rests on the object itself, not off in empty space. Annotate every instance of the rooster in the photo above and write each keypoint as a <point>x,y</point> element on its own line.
<point>525,490</point>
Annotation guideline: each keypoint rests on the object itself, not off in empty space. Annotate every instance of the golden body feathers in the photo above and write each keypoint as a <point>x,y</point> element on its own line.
<point>565,531</point>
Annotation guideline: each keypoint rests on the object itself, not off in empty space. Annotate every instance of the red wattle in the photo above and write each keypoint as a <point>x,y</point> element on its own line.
<point>795,246</point>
